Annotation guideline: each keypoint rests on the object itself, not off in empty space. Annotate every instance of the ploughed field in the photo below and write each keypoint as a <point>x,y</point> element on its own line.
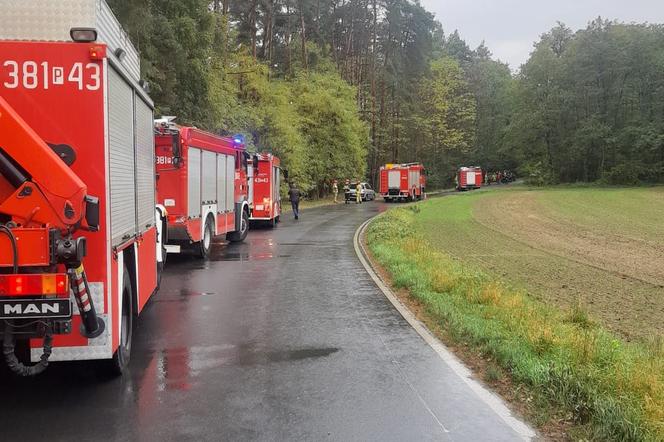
<point>601,249</point>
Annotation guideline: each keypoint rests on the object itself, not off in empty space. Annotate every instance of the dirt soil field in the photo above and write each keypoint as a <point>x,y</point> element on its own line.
<point>603,249</point>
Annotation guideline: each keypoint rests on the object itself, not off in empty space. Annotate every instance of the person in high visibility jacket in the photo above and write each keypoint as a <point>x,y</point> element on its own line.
<point>335,190</point>
<point>358,193</point>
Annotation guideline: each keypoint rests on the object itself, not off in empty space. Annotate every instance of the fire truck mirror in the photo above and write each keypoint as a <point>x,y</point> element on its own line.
<point>285,173</point>
<point>92,212</point>
<point>177,151</point>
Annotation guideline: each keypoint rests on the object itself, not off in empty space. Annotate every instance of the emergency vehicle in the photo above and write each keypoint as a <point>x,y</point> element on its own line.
<point>202,184</point>
<point>78,220</point>
<point>469,178</point>
<point>264,188</point>
<point>402,182</point>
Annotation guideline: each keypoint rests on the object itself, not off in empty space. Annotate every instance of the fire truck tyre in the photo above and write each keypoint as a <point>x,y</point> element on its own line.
<point>244,229</point>
<point>120,362</point>
<point>205,244</point>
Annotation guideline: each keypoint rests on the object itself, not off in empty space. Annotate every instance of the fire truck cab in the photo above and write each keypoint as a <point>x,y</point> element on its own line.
<point>402,182</point>
<point>202,184</point>
<point>264,188</point>
<point>78,222</point>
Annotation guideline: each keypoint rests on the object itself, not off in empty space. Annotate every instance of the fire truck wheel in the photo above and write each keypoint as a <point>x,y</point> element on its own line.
<point>204,246</point>
<point>244,229</point>
<point>120,362</point>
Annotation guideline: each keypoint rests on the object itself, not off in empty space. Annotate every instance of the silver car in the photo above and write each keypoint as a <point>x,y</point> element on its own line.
<point>368,194</point>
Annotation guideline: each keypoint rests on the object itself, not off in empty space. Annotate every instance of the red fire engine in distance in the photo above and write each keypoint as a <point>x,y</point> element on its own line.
<point>469,178</point>
<point>402,182</point>
<point>264,188</point>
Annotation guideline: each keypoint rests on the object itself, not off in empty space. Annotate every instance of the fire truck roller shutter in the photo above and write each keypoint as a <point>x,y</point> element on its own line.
<point>394,179</point>
<point>194,182</point>
<point>413,179</point>
<point>145,185</point>
<point>276,184</point>
<point>470,178</point>
<point>230,183</point>
<point>221,183</point>
<point>209,192</point>
<point>122,158</point>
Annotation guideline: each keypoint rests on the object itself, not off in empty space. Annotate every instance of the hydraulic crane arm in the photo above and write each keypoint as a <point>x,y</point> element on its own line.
<point>36,186</point>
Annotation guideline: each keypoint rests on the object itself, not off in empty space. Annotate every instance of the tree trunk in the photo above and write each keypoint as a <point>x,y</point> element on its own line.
<point>305,61</point>
<point>252,27</point>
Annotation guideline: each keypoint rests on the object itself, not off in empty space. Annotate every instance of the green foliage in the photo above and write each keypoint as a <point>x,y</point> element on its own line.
<point>200,69</point>
<point>447,119</point>
<point>536,174</point>
<point>392,87</point>
<point>589,104</point>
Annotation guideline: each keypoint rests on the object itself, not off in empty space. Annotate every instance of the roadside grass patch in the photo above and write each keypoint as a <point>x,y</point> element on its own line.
<point>610,389</point>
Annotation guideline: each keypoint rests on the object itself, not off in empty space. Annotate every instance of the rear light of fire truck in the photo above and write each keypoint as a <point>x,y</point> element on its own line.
<point>40,284</point>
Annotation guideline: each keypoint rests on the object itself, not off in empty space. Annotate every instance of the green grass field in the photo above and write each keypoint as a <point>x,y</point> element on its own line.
<point>563,288</point>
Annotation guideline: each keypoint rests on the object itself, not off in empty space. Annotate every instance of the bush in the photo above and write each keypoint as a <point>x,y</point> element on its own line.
<point>622,174</point>
<point>537,174</point>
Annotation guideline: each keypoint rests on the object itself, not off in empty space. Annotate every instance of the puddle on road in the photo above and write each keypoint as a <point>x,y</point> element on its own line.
<point>178,368</point>
<point>292,355</point>
<point>182,296</point>
<point>242,257</point>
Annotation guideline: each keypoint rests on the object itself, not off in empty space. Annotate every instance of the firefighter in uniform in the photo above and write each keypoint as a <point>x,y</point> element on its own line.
<point>358,193</point>
<point>346,190</point>
<point>335,190</point>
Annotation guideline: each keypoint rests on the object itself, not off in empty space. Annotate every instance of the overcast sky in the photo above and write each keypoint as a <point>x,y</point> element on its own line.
<point>510,27</point>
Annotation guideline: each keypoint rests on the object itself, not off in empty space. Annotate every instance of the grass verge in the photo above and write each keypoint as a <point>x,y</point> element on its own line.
<point>609,389</point>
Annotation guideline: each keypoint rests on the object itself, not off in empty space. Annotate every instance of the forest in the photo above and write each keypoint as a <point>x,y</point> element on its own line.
<point>337,88</point>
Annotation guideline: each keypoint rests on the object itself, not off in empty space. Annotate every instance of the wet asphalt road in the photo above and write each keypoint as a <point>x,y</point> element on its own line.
<point>284,337</point>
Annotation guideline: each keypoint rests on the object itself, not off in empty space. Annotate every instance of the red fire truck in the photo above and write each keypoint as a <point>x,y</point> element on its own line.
<point>402,182</point>
<point>202,184</point>
<point>77,189</point>
<point>468,178</point>
<point>264,188</point>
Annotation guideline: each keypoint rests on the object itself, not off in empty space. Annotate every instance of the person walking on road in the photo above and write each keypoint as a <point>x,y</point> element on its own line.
<point>335,191</point>
<point>346,190</point>
<point>294,195</point>
<point>358,193</point>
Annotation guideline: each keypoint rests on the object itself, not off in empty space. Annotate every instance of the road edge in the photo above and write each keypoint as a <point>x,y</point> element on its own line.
<point>495,402</point>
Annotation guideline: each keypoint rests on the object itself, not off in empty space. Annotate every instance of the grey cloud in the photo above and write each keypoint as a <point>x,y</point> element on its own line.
<point>510,27</point>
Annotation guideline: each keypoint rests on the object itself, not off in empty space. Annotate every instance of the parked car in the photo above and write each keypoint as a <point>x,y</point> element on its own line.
<point>368,194</point>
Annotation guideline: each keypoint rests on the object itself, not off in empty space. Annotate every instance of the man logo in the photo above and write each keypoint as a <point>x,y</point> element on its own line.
<point>32,309</point>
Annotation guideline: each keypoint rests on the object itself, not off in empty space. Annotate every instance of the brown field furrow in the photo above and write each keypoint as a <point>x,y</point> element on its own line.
<point>520,217</point>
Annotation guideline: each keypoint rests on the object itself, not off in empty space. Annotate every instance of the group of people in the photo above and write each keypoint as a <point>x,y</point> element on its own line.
<point>346,189</point>
<point>499,177</point>
<point>295,195</point>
